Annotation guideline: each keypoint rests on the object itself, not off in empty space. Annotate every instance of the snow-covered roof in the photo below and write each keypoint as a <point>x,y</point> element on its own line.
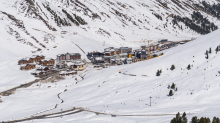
<point>23,65</point>
<point>70,63</point>
<point>41,67</point>
<point>123,54</point>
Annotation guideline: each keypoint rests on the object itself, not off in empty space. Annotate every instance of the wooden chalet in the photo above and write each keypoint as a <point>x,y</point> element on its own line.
<point>28,67</point>
<point>31,60</point>
<point>23,61</point>
<point>50,62</point>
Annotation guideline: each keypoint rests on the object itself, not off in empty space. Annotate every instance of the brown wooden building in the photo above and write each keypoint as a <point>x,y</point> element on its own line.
<point>28,67</point>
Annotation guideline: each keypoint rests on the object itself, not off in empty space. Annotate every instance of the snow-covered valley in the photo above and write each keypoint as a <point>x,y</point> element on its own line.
<point>26,30</point>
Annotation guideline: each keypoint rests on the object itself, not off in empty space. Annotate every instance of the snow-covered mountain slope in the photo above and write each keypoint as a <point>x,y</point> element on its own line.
<point>32,27</point>
<point>28,28</point>
<point>37,24</point>
<point>112,92</point>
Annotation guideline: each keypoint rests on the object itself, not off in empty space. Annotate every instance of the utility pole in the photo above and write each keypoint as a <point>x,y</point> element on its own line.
<point>150,101</point>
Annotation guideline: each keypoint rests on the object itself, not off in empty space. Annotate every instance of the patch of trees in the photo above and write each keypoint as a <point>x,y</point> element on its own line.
<point>158,72</point>
<point>70,17</point>
<point>57,18</point>
<point>204,120</point>
<point>197,23</point>
<point>183,119</point>
<point>179,119</point>
<point>213,10</point>
<point>125,16</point>
<point>210,51</point>
<point>95,15</point>
<point>157,16</point>
<point>78,20</point>
<point>173,86</point>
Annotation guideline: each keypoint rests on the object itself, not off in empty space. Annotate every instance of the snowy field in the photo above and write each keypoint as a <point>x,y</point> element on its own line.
<point>109,91</point>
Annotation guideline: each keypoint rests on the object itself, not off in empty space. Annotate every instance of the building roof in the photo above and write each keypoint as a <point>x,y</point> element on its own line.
<point>74,54</point>
<point>41,67</point>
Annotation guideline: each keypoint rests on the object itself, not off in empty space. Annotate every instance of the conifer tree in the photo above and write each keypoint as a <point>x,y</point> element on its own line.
<point>210,50</point>
<point>171,93</point>
<point>184,114</point>
<point>172,67</point>
<point>179,119</point>
<point>194,120</point>
<point>217,49</point>
<point>158,73</point>
<point>215,120</point>
<point>189,67</point>
<point>173,86</point>
<point>207,56</point>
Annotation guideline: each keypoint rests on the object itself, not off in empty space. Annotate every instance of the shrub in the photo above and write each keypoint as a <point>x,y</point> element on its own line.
<point>172,67</point>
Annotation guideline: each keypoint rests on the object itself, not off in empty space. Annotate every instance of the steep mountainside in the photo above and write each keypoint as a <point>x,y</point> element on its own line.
<point>38,23</point>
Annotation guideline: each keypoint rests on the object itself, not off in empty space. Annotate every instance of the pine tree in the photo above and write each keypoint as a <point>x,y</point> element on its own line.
<point>176,89</point>
<point>217,49</point>
<point>194,120</point>
<point>215,120</point>
<point>172,67</point>
<point>179,119</point>
<point>158,73</point>
<point>189,67</point>
<point>173,120</point>
<point>184,118</point>
<point>210,50</point>
<point>178,115</point>
<point>184,114</point>
<point>206,51</point>
<point>171,93</point>
<point>207,56</point>
<point>173,86</point>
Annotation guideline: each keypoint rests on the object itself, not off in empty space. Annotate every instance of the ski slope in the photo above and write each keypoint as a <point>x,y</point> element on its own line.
<point>109,91</point>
